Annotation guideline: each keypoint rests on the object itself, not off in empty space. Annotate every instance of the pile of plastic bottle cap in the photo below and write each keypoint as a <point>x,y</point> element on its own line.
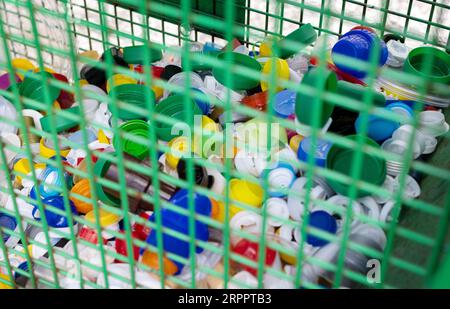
<point>290,195</point>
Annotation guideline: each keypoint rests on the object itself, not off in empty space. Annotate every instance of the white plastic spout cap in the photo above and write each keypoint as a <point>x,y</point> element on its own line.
<point>245,278</point>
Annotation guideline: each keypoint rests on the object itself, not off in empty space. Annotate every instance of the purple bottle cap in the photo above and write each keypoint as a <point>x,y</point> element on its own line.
<point>5,82</point>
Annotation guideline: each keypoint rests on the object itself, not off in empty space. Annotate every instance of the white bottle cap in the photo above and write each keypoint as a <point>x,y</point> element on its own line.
<point>247,221</point>
<point>389,184</point>
<point>243,277</point>
<point>411,188</point>
<point>371,208</point>
<point>277,208</point>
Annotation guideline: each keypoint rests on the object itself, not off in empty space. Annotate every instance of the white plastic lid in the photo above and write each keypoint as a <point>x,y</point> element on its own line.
<point>249,163</point>
<point>411,188</point>
<point>277,208</point>
<point>280,179</point>
<point>14,140</point>
<point>8,111</point>
<point>389,184</point>
<point>370,206</point>
<point>243,277</point>
<point>247,221</point>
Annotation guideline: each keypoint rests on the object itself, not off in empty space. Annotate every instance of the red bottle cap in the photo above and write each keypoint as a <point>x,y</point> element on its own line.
<point>363,28</point>
<point>121,246</point>
<point>250,250</point>
<point>65,99</point>
<point>90,235</point>
<point>140,230</point>
<point>257,101</point>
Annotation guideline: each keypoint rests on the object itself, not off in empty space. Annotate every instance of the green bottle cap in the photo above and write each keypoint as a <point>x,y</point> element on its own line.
<point>356,92</point>
<point>305,35</point>
<point>136,54</point>
<point>33,88</point>
<point>198,64</point>
<point>439,68</point>
<point>304,108</point>
<point>138,128</point>
<point>62,123</point>
<point>238,82</point>
<point>100,169</point>
<point>339,159</point>
<point>134,94</point>
<point>172,107</point>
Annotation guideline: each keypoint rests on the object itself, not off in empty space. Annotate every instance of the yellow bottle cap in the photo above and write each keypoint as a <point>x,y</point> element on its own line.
<point>209,125</point>
<point>22,64</point>
<point>289,259</point>
<point>281,73</point>
<point>48,152</point>
<point>106,218</point>
<point>178,146</point>
<point>219,215</point>
<point>4,286</point>
<point>82,188</point>
<point>83,82</point>
<point>158,92</point>
<point>45,69</point>
<point>23,166</point>
<point>119,79</point>
<point>294,142</point>
<point>90,54</point>
<point>102,137</point>
<point>56,106</point>
<point>246,192</point>
<point>265,49</point>
<point>151,260</point>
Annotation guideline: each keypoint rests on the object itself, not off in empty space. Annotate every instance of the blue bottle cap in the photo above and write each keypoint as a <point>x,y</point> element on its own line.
<point>211,47</point>
<point>77,137</point>
<point>322,148</point>
<point>280,177</point>
<point>357,44</point>
<point>203,104</point>
<point>253,53</point>
<point>53,219</point>
<point>50,175</point>
<point>23,266</point>
<point>201,202</point>
<point>324,221</point>
<point>392,101</point>
<point>401,108</point>
<point>174,244</point>
<point>285,103</point>
<point>379,129</point>
<point>7,222</point>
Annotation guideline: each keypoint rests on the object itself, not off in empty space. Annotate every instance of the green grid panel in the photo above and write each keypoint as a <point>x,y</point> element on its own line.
<point>43,33</point>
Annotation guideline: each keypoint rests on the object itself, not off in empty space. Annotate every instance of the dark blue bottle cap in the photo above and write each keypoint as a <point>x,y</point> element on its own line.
<point>321,220</point>
<point>322,148</point>
<point>7,222</point>
<point>285,103</point>
<point>23,266</point>
<point>53,219</point>
<point>174,244</point>
<point>201,202</point>
<point>357,44</point>
<point>203,103</point>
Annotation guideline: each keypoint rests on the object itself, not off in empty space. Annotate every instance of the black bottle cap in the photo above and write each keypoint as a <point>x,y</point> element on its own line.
<point>170,71</point>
